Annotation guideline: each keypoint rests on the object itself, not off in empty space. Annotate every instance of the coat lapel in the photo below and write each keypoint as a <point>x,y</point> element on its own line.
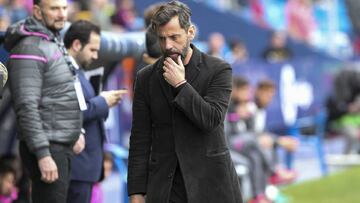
<point>193,68</point>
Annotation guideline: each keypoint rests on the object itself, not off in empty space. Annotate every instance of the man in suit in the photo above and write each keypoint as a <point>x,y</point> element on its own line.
<point>82,41</point>
<point>178,151</point>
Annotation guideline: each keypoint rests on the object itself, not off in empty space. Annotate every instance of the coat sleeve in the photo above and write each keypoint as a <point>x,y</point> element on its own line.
<point>207,112</point>
<point>26,70</point>
<point>140,141</point>
<point>96,109</point>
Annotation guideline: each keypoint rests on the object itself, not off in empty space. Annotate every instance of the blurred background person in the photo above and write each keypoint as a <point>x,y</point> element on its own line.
<point>300,20</point>
<point>8,190</point>
<point>22,181</point>
<point>238,53</point>
<point>343,107</point>
<point>245,142</point>
<point>216,45</point>
<point>277,51</point>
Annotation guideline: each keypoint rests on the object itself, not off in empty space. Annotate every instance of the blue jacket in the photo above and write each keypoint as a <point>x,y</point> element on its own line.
<point>87,166</point>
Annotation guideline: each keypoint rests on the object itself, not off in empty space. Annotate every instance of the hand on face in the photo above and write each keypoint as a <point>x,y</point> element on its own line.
<point>174,72</point>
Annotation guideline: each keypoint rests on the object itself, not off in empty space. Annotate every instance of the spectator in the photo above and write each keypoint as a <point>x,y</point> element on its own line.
<point>17,10</point>
<point>238,54</point>
<point>4,20</point>
<point>344,107</point>
<point>101,13</point>
<point>277,51</point>
<point>300,19</point>
<point>216,45</point>
<point>268,141</point>
<point>257,11</point>
<point>125,16</point>
<point>22,181</point>
<point>245,142</point>
<point>8,190</point>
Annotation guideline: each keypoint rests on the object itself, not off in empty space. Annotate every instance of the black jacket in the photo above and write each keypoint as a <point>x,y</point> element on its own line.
<point>187,130</point>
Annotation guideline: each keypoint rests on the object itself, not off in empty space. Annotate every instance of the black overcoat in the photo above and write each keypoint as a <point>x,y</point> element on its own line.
<point>186,129</point>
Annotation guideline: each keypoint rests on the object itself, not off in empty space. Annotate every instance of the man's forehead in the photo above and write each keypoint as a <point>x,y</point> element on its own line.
<point>51,3</point>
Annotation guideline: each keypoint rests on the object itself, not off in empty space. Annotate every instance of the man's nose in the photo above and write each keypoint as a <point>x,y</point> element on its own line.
<point>95,56</point>
<point>63,13</point>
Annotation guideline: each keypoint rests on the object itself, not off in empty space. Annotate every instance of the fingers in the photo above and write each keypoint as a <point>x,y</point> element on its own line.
<point>48,169</point>
<point>122,91</point>
<point>170,61</point>
<point>180,61</point>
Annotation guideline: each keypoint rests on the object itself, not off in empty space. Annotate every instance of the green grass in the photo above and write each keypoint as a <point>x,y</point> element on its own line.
<point>341,187</point>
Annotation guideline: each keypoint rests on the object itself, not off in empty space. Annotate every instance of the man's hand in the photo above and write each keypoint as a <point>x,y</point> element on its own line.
<point>79,145</point>
<point>174,73</point>
<point>113,97</point>
<point>137,199</point>
<point>48,169</point>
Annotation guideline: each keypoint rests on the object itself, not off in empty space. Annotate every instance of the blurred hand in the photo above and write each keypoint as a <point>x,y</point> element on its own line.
<point>288,143</point>
<point>79,145</point>
<point>113,97</point>
<point>174,72</point>
<point>137,199</point>
<point>48,169</point>
<point>354,107</point>
<point>266,141</point>
<point>243,111</point>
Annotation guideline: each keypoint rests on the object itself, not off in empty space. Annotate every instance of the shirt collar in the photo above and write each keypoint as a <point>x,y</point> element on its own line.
<point>74,62</point>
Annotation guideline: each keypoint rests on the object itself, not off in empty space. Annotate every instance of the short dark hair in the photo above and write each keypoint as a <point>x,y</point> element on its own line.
<point>80,30</point>
<point>266,84</point>
<point>36,2</point>
<point>240,82</point>
<point>169,10</point>
<point>150,12</point>
<point>5,169</point>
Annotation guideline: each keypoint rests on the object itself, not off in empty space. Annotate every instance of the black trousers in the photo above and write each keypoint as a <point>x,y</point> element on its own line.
<point>42,192</point>
<point>79,192</point>
<point>178,191</point>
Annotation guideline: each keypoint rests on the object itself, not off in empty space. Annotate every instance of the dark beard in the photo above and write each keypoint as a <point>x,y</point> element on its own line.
<point>183,53</point>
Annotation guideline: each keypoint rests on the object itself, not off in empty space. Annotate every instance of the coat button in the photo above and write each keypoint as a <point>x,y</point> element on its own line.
<point>170,175</point>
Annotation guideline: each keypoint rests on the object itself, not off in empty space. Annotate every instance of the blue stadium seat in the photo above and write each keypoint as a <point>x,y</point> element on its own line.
<point>310,132</point>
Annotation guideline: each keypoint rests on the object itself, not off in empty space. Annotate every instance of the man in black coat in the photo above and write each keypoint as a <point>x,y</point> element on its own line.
<point>178,151</point>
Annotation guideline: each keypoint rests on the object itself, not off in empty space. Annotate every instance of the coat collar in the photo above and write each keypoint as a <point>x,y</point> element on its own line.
<point>192,70</point>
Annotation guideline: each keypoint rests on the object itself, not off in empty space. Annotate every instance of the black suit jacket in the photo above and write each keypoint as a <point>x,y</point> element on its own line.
<point>186,129</point>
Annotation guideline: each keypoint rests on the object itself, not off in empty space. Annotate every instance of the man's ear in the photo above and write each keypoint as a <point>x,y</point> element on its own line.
<point>191,32</point>
<point>37,12</point>
<point>76,45</point>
